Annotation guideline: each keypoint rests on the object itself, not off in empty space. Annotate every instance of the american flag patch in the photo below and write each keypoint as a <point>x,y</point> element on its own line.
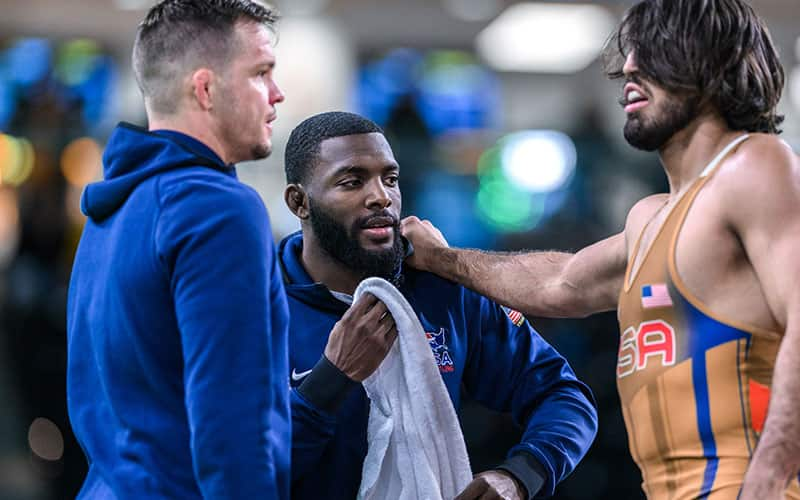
<point>655,296</point>
<point>516,317</point>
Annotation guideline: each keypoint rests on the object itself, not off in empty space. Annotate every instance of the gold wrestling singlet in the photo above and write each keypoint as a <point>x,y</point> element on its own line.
<point>694,386</point>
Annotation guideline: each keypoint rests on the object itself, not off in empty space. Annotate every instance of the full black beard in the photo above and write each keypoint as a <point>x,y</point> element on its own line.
<point>343,246</point>
<point>653,134</point>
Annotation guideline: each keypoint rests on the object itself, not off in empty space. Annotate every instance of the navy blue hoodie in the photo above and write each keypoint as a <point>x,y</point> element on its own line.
<point>177,361</point>
<point>493,352</point>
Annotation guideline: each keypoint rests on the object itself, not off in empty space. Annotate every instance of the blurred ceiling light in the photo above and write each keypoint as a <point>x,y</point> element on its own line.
<point>472,10</point>
<point>45,439</point>
<point>16,160</point>
<point>132,4</point>
<point>545,38</point>
<point>302,7</point>
<point>81,161</point>
<point>539,161</point>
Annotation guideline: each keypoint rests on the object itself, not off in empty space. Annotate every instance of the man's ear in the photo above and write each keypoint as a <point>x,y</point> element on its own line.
<point>297,200</point>
<point>203,88</point>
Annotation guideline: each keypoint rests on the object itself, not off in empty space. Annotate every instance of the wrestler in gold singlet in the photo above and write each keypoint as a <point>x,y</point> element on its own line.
<point>694,386</point>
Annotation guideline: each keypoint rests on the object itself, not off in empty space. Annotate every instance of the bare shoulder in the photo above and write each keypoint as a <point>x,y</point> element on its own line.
<point>762,175</point>
<point>760,170</point>
<point>642,212</point>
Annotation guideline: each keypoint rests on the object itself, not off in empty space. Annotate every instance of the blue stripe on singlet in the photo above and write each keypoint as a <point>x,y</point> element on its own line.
<point>705,333</point>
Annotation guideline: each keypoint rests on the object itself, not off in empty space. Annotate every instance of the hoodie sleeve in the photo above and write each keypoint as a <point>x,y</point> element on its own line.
<point>214,239</point>
<point>314,407</point>
<point>512,369</point>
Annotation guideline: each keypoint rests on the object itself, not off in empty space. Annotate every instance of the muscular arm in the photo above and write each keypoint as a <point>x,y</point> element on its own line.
<point>769,227</point>
<point>553,284</point>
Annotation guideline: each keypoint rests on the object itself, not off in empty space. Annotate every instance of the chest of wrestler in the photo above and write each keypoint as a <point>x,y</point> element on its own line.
<point>713,266</point>
<point>686,376</point>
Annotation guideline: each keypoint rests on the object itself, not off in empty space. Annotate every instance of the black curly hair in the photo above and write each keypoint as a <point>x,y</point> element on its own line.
<point>303,146</point>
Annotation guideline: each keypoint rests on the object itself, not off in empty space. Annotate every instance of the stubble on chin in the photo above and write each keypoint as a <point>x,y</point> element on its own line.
<point>261,151</point>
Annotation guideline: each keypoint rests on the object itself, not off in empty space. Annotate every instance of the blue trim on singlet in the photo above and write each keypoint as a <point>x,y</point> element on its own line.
<point>705,333</point>
<point>741,396</point>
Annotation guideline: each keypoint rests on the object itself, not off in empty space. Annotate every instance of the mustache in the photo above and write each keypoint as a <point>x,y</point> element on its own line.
<point>382,218</point>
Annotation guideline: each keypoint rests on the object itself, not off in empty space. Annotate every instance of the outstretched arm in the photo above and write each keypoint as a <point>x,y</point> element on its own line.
<point>553,284</point>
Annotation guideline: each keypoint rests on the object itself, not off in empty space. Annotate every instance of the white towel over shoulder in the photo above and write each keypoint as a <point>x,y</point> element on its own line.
<point>416,449</point>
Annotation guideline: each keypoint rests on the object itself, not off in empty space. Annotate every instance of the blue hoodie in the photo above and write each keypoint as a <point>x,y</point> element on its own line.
<point>493,352</point>
<point>176,327</point>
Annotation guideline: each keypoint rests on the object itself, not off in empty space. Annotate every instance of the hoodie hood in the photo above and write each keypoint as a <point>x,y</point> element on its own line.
<point>133,155</point>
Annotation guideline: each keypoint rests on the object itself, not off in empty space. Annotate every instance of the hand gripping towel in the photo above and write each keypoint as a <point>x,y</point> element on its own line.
<point>416,449</point>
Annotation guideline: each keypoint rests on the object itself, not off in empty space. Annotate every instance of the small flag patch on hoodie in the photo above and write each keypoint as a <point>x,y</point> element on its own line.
<point>515,316</point>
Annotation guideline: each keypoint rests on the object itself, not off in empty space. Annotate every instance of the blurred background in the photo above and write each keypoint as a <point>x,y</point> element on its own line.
<point>507,132</point>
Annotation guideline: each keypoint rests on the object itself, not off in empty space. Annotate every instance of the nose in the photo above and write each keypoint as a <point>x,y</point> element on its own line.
<point>275,94</point>
<point>630,64</point>
<point>378,197</point>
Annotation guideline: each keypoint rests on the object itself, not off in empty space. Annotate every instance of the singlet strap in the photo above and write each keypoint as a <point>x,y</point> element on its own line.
<point>722,154</point>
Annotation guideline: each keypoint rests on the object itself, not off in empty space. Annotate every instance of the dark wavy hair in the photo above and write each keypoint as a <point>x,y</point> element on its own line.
<point>719,51</point>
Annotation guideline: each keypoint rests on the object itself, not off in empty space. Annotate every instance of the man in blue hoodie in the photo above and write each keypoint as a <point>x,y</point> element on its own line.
<point>177,317</point>
<point>343,186</point>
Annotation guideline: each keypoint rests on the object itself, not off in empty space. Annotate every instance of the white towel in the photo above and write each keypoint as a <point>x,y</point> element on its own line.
<point>416,449</point>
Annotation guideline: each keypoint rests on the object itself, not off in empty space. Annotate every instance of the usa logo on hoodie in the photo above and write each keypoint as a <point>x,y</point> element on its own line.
<point>440,352</point>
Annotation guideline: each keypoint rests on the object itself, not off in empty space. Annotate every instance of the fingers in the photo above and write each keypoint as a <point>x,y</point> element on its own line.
<point>385,325</point>
<point>474,490</point>
<point>386,330</point>
<point>364,304</point>
<point>377,312</point>
<point>408,221</point>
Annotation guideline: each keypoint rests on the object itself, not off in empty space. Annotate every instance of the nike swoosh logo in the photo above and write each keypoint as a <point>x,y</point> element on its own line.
<point>297,377</point>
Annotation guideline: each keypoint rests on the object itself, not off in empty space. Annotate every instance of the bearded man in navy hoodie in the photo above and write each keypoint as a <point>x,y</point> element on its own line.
<point>343,186</point>
<point>177,317</point>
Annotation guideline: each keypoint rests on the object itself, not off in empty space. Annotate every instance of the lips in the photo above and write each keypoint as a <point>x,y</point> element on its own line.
<point>634,98</point>
<point>379,222</point>
<point>379,229</point>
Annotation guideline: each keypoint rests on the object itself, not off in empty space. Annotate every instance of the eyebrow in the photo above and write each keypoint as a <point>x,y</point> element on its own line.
<point>358,169</point>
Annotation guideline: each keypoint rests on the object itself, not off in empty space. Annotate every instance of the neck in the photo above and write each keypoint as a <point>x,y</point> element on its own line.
<point>324,268</point>
<point>193,126</point>
<point>689,151</point>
